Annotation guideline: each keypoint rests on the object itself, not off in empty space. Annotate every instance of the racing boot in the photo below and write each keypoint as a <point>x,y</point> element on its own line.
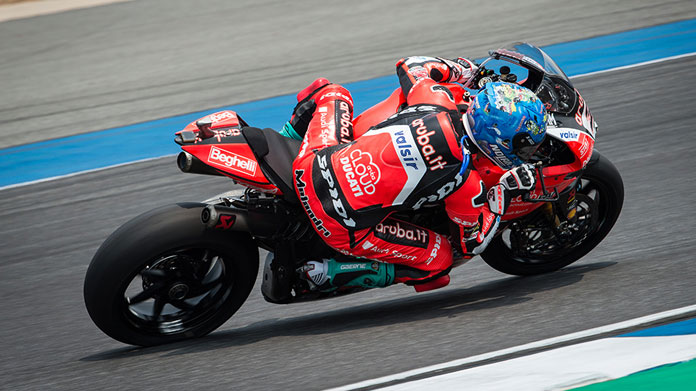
<point>302,114</point>
<point>328,274</point>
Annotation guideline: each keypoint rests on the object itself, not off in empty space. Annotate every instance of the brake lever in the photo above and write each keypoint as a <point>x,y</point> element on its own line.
<point>546,196</point>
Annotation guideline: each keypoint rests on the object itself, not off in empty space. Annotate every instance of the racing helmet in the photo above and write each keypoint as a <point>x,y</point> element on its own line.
<point>507,122</point>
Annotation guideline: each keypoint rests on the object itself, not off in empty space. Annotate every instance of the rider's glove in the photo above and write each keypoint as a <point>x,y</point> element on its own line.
<point>462,69</point>
<point>302,114</point>
<point>513,183</point>
<point>520,179</point>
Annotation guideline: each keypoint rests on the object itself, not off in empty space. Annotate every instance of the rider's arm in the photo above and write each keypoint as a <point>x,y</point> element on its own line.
<point>468,207</point>
<point>477,211</point>
<point>412,69</point>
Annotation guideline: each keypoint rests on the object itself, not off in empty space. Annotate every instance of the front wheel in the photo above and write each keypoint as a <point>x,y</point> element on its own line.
<point>164,277</point>
<point>531,246</point>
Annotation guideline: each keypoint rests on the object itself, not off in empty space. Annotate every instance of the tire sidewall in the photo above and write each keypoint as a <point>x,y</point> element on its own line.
<point>602,173</point>
<point>144,239</point>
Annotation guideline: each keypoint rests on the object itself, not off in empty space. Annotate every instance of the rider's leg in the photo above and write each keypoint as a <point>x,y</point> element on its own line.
<point>406,253</point>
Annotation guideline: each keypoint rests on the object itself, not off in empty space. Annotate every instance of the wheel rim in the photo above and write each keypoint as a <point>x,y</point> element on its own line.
<point>542,245</point>
<point>177,292</point>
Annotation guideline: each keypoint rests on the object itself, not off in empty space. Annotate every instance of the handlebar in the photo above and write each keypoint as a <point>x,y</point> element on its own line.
<point>546,196</point>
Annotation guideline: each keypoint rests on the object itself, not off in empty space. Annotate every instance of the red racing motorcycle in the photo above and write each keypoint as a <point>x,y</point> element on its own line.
<point>181,271</point>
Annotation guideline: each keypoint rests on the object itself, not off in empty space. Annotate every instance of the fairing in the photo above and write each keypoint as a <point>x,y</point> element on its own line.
<point>221,145</point>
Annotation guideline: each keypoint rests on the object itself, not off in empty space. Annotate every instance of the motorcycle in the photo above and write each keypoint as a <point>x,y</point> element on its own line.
<point>181,271</point>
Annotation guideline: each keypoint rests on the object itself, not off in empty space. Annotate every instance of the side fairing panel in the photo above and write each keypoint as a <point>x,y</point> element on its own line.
<point>236,161</point>
<point>225,149</point>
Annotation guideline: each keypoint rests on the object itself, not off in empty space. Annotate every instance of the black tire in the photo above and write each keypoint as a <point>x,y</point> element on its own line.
<point>600,175</point>
<point>193,279</point>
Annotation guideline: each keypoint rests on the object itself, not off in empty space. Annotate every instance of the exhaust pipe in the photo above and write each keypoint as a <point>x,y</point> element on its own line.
<point>230,218</point>
<point>192,165</point>
<point>224,218</point>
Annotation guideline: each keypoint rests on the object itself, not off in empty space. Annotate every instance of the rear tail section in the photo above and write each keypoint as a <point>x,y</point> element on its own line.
<point>222,143</point>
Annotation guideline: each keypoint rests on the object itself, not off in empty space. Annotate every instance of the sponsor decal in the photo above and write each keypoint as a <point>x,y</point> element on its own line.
<point>226,221</point>
<point>585,151</point>
<point>499,156</point>
<point>516,212</point>
<point>343,114</point>
<point>327,127</point>
<point>565,134</point>
<point>406,149</point>
<point>436,249</point>
<point>373,248</point>
<point>496,200</point>
<point>336,94</point>
<point>441,193</point>
<point>361,172</point>
<point>333,192</point>
<point>397,254</point>
<point>353,266</point>
<point>427,150</point>
<point>533,195</point>
<point>231,160</point>
<point>487,226</point>
<point>463,222</point>
<point>219,134</point>
<point>300,184</point>
<point>384,251</point>
<point>416,109</point>
<point>570,135</point>
<point>584,118</point>
<point>584,147</point>
<point>402,233</point>
<point>217,117</point>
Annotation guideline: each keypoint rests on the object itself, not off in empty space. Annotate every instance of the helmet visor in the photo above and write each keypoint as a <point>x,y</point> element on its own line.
<point>524,147</point>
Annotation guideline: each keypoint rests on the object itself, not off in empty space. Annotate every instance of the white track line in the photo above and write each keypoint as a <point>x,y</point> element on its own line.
<point>44,7</point>
<point>516,349</point>
<point>639,64</point>
<point>159,157</point>
<point>82,172</point>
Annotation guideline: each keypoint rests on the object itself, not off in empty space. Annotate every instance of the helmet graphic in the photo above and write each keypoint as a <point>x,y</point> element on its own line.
<point>507,122</point>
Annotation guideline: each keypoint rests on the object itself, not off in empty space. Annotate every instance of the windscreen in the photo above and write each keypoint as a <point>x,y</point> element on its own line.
<point>538,72</point>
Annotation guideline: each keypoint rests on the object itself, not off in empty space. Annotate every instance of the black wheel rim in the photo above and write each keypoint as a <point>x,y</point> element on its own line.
<point>546,247</point>
<point>177,292</point>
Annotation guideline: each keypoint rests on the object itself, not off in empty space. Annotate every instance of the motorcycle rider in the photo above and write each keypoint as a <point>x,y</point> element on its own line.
<point>419,156</point>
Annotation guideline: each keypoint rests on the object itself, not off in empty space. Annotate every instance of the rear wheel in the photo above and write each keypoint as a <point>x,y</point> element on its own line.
<point>164,277</point>
<point>532,245</point>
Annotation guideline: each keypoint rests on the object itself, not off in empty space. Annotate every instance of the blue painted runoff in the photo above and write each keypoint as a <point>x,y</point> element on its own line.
<point>685,327</point>
<point>152,139</point>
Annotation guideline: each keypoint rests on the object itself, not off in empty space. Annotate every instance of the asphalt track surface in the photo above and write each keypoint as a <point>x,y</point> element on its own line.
<point>50,231</point>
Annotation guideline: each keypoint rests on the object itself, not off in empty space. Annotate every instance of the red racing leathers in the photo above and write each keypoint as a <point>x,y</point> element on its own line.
<point>350,187</point>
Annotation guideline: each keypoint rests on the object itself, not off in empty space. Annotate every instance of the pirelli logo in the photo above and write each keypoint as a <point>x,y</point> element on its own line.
<point>227,159</point>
